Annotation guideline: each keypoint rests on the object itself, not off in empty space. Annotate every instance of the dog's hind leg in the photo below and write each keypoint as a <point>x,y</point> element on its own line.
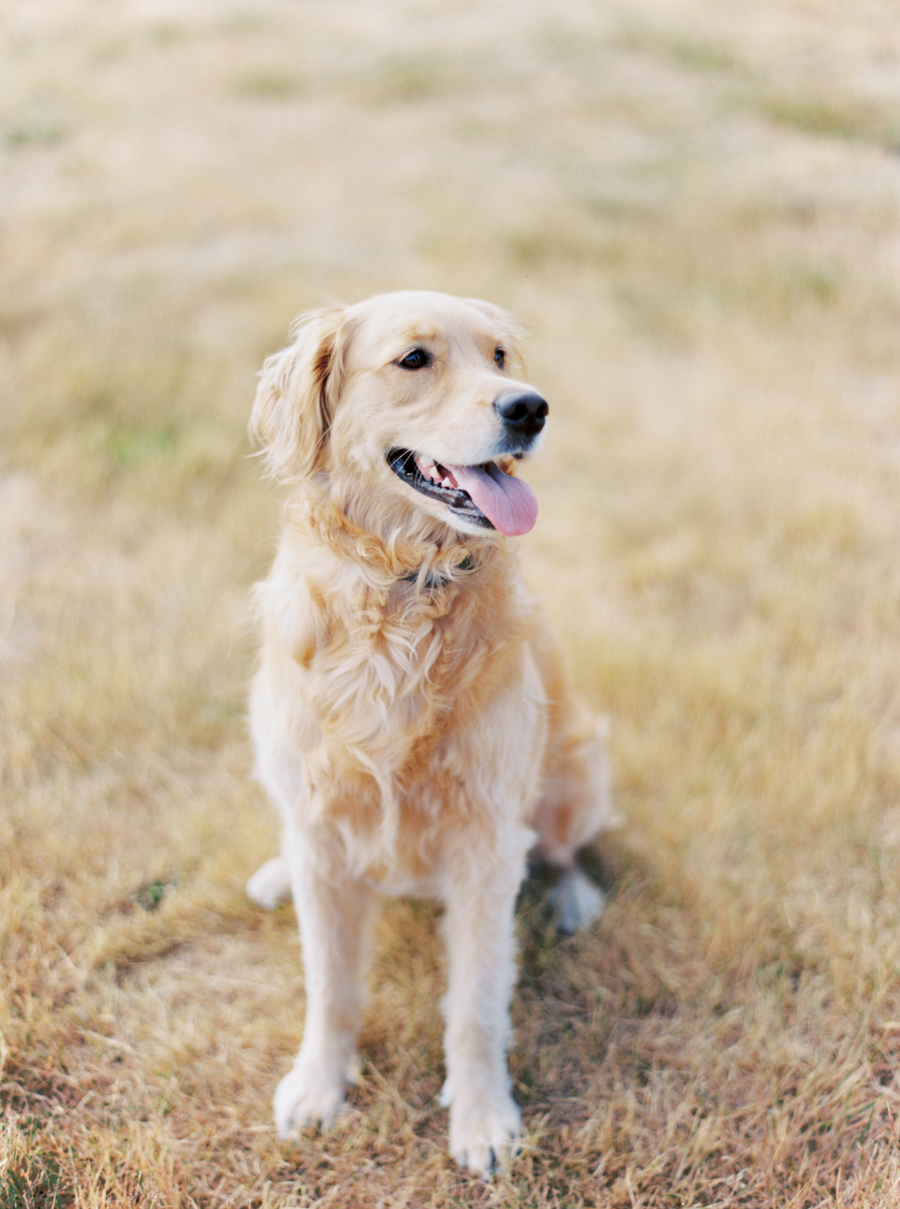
<point>575,807</point>
<point>270,885</point>
<point>576,900</point>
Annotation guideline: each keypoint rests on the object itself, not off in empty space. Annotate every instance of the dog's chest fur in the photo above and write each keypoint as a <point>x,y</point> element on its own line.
<point>384,677</point>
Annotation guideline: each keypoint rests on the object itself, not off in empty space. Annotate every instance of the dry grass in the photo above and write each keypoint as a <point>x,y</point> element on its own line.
<point>695,207</point>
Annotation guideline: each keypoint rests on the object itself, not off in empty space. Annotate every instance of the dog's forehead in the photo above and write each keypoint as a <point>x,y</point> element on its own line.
<point>389,322</point>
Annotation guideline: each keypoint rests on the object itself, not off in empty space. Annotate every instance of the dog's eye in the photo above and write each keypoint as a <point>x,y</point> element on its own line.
<point>417,359</point>
<point>499,357</point>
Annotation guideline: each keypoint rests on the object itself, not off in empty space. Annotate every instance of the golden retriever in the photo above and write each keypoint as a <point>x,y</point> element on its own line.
<point>409,716</point>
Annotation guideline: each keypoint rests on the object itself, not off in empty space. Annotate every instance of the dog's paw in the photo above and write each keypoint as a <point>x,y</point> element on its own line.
<point>270,884</point>
<point>576,901</point>
<point>485,1137</point>
<point>307,1097</point>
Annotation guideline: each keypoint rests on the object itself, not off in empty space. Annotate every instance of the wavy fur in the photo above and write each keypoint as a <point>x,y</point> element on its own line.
<point>409,715</point>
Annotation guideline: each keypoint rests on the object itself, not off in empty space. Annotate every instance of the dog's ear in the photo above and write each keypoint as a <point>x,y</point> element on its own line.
<point>297,393</point>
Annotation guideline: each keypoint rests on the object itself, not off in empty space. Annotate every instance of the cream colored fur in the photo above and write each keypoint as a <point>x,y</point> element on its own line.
<point>409,716</point>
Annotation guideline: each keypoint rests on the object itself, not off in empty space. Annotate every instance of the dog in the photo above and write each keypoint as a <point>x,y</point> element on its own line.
<point>409,714</point>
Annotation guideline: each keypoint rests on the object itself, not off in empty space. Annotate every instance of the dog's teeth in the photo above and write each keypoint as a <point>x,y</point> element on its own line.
<point>435,474</point>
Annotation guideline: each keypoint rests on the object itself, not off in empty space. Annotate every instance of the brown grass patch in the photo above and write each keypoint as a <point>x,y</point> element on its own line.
<point>695,210</point>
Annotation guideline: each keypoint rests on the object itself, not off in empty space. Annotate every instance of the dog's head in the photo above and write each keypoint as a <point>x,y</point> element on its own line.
<point>411,399</point>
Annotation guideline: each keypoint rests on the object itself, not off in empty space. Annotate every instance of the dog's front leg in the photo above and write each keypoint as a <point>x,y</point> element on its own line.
<point>480,897</point>
<point>335,914</point>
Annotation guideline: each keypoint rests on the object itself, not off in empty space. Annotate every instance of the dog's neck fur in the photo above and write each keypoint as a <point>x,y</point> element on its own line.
<point>428,554</point>
<point>431,580</point>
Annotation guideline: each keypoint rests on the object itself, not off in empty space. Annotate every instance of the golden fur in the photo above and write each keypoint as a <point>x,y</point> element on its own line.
<point>409,714</point>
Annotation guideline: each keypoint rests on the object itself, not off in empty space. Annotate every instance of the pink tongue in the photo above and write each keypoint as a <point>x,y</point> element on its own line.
<point>508,503</point>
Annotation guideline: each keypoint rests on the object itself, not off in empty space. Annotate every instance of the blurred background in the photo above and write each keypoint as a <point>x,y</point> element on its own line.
<point>694,209</point>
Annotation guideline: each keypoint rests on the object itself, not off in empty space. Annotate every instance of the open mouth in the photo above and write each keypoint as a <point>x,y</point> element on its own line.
<point>484,495</point>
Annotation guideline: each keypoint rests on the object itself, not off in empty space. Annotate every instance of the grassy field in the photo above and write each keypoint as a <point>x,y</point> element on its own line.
<point>695,209</point>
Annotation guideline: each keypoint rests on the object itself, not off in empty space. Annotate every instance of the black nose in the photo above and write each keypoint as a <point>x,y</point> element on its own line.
<point>522,411</point>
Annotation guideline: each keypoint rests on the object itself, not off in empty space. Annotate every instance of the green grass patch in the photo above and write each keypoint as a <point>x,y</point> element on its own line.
<point>34,1182</point>
<point>127,446</point>
<point>270,85</point>
<point>834,118</point>
<point>38,125</point>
